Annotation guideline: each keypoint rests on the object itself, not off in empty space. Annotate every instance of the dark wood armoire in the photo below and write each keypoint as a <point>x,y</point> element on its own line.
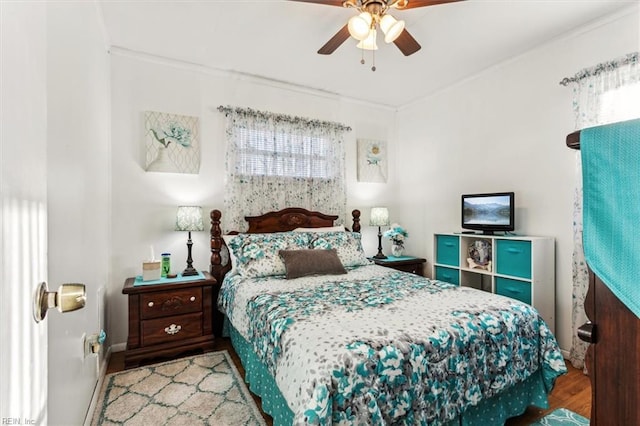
<point>613,357</point>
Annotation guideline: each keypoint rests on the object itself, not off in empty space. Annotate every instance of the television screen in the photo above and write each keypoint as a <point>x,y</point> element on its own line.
<point>488,212</point>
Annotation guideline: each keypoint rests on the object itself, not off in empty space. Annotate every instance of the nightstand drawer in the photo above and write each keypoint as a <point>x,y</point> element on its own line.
<point>415,268</point>
<point>163,330</point>
<point>519,290</point>
<point>173,302</point>
<point>514,258</point>
<point>448,250</point>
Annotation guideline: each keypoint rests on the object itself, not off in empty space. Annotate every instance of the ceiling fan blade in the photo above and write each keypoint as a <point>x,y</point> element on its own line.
<point>325,2</point>
<point>406,43</point>
<point>335,41</point>
<point>422,3</point>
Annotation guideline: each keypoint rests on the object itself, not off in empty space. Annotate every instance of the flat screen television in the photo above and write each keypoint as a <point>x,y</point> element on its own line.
<point>489,213</point>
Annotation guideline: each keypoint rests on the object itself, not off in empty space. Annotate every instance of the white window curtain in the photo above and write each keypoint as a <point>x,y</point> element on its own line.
<point>275,161</point>
<point>605,93</point>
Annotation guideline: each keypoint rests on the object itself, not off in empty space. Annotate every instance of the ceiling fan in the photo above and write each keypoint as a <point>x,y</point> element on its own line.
<point>373,14</point>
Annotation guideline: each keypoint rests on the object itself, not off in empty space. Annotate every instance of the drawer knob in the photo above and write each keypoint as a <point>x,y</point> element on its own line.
<point>192,298</point>
<point>172,329</point>
<point>150,304</point>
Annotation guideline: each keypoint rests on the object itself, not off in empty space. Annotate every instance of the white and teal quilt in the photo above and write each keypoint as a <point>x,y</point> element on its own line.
<point>379,346</point>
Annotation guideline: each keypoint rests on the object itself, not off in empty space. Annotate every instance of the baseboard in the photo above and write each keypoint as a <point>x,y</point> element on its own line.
<point>96,391</point>
<point>565,354</point>
<point>118,347</point>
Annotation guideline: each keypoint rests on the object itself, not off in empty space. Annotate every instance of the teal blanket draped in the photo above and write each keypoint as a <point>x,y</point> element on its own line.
<point>611,207</point>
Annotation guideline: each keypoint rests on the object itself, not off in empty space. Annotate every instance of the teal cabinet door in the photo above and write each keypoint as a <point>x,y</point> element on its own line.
<point>519,290</point>
<point>448,250</point>
<point>449,275</point>
<point>514,258</point>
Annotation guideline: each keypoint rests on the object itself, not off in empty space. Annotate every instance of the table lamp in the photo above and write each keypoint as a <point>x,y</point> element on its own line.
<point>189,218</point>
<point>379,217</point>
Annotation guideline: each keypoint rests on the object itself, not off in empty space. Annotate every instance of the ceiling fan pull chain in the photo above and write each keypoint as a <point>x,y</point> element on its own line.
<point>373,55</point>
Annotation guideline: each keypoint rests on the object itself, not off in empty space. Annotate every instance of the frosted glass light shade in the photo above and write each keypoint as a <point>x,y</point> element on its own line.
<point>360,25</point>
<point>391,28</point>
<point>379,216</point>
<point>189,218</point>
<point>369,43</point>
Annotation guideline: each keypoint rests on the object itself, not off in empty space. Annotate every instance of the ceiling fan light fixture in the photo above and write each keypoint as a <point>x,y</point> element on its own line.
<point>369,43</point>
<point>391,27</point>
<point>360,25</point>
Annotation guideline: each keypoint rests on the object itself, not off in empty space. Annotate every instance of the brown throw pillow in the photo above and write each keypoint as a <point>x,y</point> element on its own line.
<point>305,262</point>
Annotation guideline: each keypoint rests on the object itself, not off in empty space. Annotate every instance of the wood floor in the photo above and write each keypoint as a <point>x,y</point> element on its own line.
<point>572,391</point>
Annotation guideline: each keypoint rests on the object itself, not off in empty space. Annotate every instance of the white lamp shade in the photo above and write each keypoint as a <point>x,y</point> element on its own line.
<point>189,218</point>
<point>379,216</point>
<point>369,43</point>
<point>360,25</point>
<point>391,28</point>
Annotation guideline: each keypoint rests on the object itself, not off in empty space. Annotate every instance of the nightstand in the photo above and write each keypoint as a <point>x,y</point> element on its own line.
<point>168,318</point>
<point>414,265</point>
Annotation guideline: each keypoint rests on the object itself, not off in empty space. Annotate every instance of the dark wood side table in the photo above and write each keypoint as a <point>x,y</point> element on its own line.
<point>169,318</point>
<point>414,265</point>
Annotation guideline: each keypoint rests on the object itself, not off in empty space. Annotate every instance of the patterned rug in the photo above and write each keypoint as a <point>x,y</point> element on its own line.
<point>199,390</point>
<point>562,417</point>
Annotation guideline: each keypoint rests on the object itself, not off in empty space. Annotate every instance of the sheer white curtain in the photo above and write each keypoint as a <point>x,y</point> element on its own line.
<point>606,93</point>
<point>275,161</point>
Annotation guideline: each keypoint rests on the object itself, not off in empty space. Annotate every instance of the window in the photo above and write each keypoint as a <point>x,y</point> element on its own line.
<point>264,153</point>
<point>274,161</point>
<point>620,104</point>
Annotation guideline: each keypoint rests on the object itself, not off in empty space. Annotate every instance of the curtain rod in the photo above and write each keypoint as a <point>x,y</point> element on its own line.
<point>226,110</point>
<point>628,59</point>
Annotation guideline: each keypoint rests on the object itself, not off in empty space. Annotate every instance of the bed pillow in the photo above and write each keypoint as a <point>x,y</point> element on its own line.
<point>257,255</point>
<point>232,257</point>
<point>347,244</point>
<point>302,263</point>
<point>321,229</point>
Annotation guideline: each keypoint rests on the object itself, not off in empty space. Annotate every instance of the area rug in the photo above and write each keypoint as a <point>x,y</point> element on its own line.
<point>199,390</point>
<point>562,417</point>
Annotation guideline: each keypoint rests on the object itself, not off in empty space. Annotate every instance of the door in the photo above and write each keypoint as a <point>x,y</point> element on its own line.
<point>23,210</point>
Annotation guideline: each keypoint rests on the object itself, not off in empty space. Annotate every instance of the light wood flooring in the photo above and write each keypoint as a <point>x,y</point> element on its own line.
<point>572,391</point>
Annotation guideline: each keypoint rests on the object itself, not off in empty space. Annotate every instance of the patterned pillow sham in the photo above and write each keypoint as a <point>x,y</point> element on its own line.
<point>347,244</point>
<point>257,255</point>
<point>232,257</point>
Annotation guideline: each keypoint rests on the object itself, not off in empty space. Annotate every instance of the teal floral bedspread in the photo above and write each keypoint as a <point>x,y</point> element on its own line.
<point>379,346</point>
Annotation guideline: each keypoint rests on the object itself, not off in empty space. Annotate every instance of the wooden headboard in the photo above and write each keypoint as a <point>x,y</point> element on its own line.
<point>284,220</point>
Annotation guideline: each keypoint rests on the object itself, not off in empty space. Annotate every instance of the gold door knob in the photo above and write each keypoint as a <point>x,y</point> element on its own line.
<point>69,297</point>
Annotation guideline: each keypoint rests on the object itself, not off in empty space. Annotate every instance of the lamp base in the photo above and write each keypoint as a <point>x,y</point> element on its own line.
<point>189,272</point>
<point>380,255</point>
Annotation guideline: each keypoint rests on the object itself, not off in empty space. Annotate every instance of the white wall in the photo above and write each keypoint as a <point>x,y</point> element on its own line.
<point>504,130</point>
<point>79,196</point>
<point>144,203</point>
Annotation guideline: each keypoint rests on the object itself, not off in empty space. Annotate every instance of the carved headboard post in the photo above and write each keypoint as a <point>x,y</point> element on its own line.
<point>216,266</point>
<point>355,214</point>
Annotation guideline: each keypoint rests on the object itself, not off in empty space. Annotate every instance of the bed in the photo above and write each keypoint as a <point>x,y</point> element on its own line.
<point>351,342</point>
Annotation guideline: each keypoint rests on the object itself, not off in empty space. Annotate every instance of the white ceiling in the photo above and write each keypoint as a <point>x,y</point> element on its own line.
<point>278,40</point>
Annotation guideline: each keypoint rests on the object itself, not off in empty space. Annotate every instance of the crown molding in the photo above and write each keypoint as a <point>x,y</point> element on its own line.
<point>241,76</point>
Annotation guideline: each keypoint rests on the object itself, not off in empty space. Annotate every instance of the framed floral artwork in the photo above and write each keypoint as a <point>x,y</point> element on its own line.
<point>372,161</point>
<point>172,143</point>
